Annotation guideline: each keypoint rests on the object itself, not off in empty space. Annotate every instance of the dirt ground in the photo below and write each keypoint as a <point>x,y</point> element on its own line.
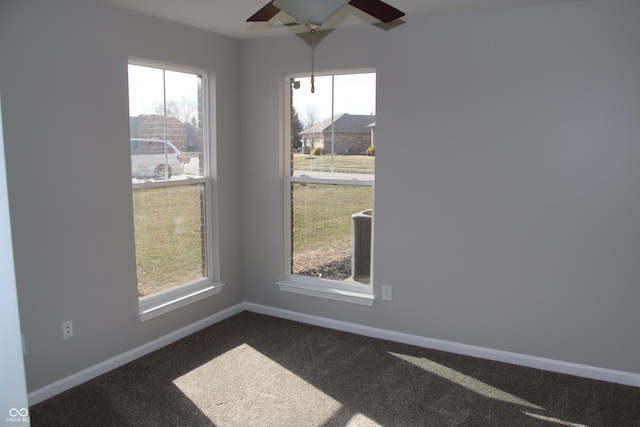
<point>332,263</point>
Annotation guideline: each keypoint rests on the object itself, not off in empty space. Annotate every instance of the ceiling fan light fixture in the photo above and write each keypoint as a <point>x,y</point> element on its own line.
<point>311,13</point>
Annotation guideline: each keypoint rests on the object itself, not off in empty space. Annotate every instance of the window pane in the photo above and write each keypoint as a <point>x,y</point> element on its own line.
<point>326,222</point>
<point>333,129</point>
<point>311,111</point>
<point>170,237</point>
<point>167,118</point>
<point>165,109</point>
<point>332,137</point>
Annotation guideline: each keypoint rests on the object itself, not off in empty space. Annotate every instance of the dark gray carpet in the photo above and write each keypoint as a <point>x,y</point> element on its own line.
<point>256,370</point>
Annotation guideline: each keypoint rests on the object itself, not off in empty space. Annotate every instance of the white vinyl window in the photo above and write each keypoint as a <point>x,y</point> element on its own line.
<point>329,180</point>
<point>170,186</point>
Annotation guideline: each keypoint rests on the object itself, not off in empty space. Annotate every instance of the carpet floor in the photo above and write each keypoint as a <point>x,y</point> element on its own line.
<point>257,370</point>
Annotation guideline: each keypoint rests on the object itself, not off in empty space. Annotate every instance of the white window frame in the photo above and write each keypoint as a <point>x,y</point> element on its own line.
<point>361,294</point>
<point>179,296</point>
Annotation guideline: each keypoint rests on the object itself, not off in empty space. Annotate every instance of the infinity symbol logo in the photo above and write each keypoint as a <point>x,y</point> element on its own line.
<point>13,412</point>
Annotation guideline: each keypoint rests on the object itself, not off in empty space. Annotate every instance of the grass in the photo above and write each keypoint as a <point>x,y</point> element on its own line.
<point>322,213</point>
<point>352,164</point>
<point>322,222</point>
<point>169,246</point>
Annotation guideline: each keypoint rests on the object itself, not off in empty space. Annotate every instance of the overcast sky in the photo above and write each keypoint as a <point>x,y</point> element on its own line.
<point>146,88</point>
<point>354,94</point>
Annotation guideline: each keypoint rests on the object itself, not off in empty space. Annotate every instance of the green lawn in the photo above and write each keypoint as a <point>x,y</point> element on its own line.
<point>322,213</point>
<point>169,241</point>
<point>353,164</point>
<point>322,216</point>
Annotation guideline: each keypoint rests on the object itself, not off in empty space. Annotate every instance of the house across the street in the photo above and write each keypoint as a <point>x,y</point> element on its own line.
<point>352,134</point>
<point>155,126</point>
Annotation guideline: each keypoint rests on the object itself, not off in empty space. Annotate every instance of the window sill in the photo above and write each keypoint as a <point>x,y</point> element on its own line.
<point>164,302</point>
<point>354,294</point>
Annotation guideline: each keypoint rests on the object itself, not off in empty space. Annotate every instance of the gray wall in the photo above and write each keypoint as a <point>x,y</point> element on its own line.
<point>507,204</point>
<point>63,78</point>
<point>507,209</point>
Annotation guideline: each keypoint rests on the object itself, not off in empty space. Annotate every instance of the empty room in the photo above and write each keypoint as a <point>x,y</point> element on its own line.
<point>174,250</point>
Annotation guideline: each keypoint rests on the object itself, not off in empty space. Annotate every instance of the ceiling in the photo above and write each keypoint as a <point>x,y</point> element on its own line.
<point>228,17</point>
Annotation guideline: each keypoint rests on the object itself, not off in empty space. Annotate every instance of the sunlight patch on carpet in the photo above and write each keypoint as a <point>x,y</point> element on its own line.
<point>361,420</point>
<point>553,420</point>
<point>465,381</point>
<point>243,384</point>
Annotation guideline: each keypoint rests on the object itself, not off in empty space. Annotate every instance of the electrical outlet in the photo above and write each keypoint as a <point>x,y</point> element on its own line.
<point>387,292</point>
<point>67,329</point>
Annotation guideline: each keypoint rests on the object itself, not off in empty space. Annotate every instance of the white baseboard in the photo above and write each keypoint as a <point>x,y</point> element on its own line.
<point>585,371</point>
<point>71,381</point>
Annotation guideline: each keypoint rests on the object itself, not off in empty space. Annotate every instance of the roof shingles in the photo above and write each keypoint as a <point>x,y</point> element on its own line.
<point>343,123</point>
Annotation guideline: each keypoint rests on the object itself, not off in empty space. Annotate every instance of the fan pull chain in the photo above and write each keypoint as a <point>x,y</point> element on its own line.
<point>313,88</point>
<point>313,46</point>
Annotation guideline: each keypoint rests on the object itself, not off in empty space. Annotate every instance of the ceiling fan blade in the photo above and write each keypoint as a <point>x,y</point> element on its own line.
<point>378,9</point>
<point>264,14</point>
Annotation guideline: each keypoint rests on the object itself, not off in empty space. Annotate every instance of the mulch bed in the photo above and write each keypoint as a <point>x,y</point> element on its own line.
<point>334,270</point>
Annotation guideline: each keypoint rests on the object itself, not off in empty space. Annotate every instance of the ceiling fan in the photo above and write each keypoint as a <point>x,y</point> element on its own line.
<point>312,13</point>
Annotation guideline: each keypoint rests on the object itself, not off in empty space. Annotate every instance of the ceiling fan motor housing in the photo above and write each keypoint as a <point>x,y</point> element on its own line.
<point>310,12</point>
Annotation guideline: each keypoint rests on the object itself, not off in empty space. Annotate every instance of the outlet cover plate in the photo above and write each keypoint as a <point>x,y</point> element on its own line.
<point>67,329</point>
<point>387,292</point>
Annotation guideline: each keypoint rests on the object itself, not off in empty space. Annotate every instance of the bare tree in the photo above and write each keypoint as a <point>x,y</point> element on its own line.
<point>184,109</point>
<point>311,118</point>
<point>156,109</point>
<point>311,115</point>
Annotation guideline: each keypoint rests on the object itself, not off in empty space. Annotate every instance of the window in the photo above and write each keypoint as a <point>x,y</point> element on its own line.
<point>330,164</point>
<point>170,186</point>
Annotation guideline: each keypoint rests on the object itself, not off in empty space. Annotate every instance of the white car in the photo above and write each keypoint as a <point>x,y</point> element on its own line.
<point>155,158</point>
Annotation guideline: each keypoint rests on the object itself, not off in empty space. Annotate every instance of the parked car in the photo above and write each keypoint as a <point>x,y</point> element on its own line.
<point>155,158</point>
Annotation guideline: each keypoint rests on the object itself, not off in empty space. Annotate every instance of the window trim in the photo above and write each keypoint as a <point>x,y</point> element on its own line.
<point>361,294</point>
<point>162,302</point>
<point>174,298</point>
